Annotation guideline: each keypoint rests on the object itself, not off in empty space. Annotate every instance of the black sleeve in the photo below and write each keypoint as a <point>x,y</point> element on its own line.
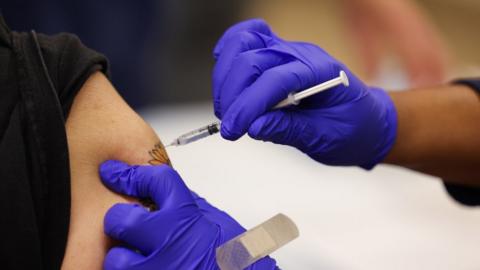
<point>69,64</point>
<point>466,195</point>
<point>39,80</point>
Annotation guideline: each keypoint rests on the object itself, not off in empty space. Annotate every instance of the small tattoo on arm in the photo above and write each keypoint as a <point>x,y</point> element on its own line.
<point>159,155</point>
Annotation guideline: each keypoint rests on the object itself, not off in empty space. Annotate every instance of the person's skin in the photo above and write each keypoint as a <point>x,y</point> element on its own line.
<point>439,133</point>
<point>408,32</point>
<point>100,126</point>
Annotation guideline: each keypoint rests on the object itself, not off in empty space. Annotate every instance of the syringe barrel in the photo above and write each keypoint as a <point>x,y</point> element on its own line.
<point>193,137</point>
<point>198,134</point>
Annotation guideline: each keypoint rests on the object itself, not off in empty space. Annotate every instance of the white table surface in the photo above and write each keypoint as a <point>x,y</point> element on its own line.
<point>388,218</point>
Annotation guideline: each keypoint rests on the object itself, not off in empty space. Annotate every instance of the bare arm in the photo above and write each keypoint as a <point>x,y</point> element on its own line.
<point>439,133</point>
<point>100,126</point>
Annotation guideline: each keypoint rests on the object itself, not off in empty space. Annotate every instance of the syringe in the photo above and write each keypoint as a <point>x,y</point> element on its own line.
<point>292,99</point>
<point>197,134</point>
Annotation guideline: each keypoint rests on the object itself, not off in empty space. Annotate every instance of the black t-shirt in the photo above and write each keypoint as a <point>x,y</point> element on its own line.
<point>39,79</point>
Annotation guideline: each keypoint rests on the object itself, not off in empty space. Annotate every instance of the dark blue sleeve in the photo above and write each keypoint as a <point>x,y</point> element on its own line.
<point>466,195</point>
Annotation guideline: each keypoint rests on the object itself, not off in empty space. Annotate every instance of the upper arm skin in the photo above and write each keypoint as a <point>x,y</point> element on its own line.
<point>100,126</point>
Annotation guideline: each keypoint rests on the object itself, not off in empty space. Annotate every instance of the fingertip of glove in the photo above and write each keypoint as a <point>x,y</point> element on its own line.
<point>122,216</point>
<point>260,24</point>
<point>255,24</point>
<point>119,258</point>
<point>112,217</point>
<point>115,259</point>
<point>255,130</point>
<point>227,133</point>
<point>110,168</point>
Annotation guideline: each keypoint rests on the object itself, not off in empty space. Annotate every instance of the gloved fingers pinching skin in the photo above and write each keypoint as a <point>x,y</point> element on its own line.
<point>163,185</point>
<point>182,234</point>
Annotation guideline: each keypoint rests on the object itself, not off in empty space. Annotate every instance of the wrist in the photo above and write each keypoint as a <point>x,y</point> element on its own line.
<point>438,131</point>
<point>387,124</point>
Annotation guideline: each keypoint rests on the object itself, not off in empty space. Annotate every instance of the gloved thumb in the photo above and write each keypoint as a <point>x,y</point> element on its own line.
<point>281,127</point>
<point>160,183</point>
<point>122,258</point>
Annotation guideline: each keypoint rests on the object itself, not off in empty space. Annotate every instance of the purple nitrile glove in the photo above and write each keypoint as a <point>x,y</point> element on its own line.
<point>182,234</point>
<point>255,69</point>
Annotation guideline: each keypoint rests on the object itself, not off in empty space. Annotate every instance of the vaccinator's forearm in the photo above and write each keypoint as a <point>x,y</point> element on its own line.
<point>439,133</point>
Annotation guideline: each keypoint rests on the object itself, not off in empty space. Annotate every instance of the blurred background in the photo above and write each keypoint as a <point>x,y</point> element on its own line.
<point>390,218</point>
<point>161,51</point>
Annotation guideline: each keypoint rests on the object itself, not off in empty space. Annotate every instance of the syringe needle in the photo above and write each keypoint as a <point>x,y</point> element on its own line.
<point>292,99</point>
<point>173,143</point>
<point>197,134</point>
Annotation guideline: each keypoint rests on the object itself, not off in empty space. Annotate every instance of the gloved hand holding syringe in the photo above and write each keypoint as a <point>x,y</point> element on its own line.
<point>292,99</point>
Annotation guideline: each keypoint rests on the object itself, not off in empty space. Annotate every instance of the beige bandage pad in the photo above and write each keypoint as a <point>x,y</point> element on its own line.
<point>256,243</point>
